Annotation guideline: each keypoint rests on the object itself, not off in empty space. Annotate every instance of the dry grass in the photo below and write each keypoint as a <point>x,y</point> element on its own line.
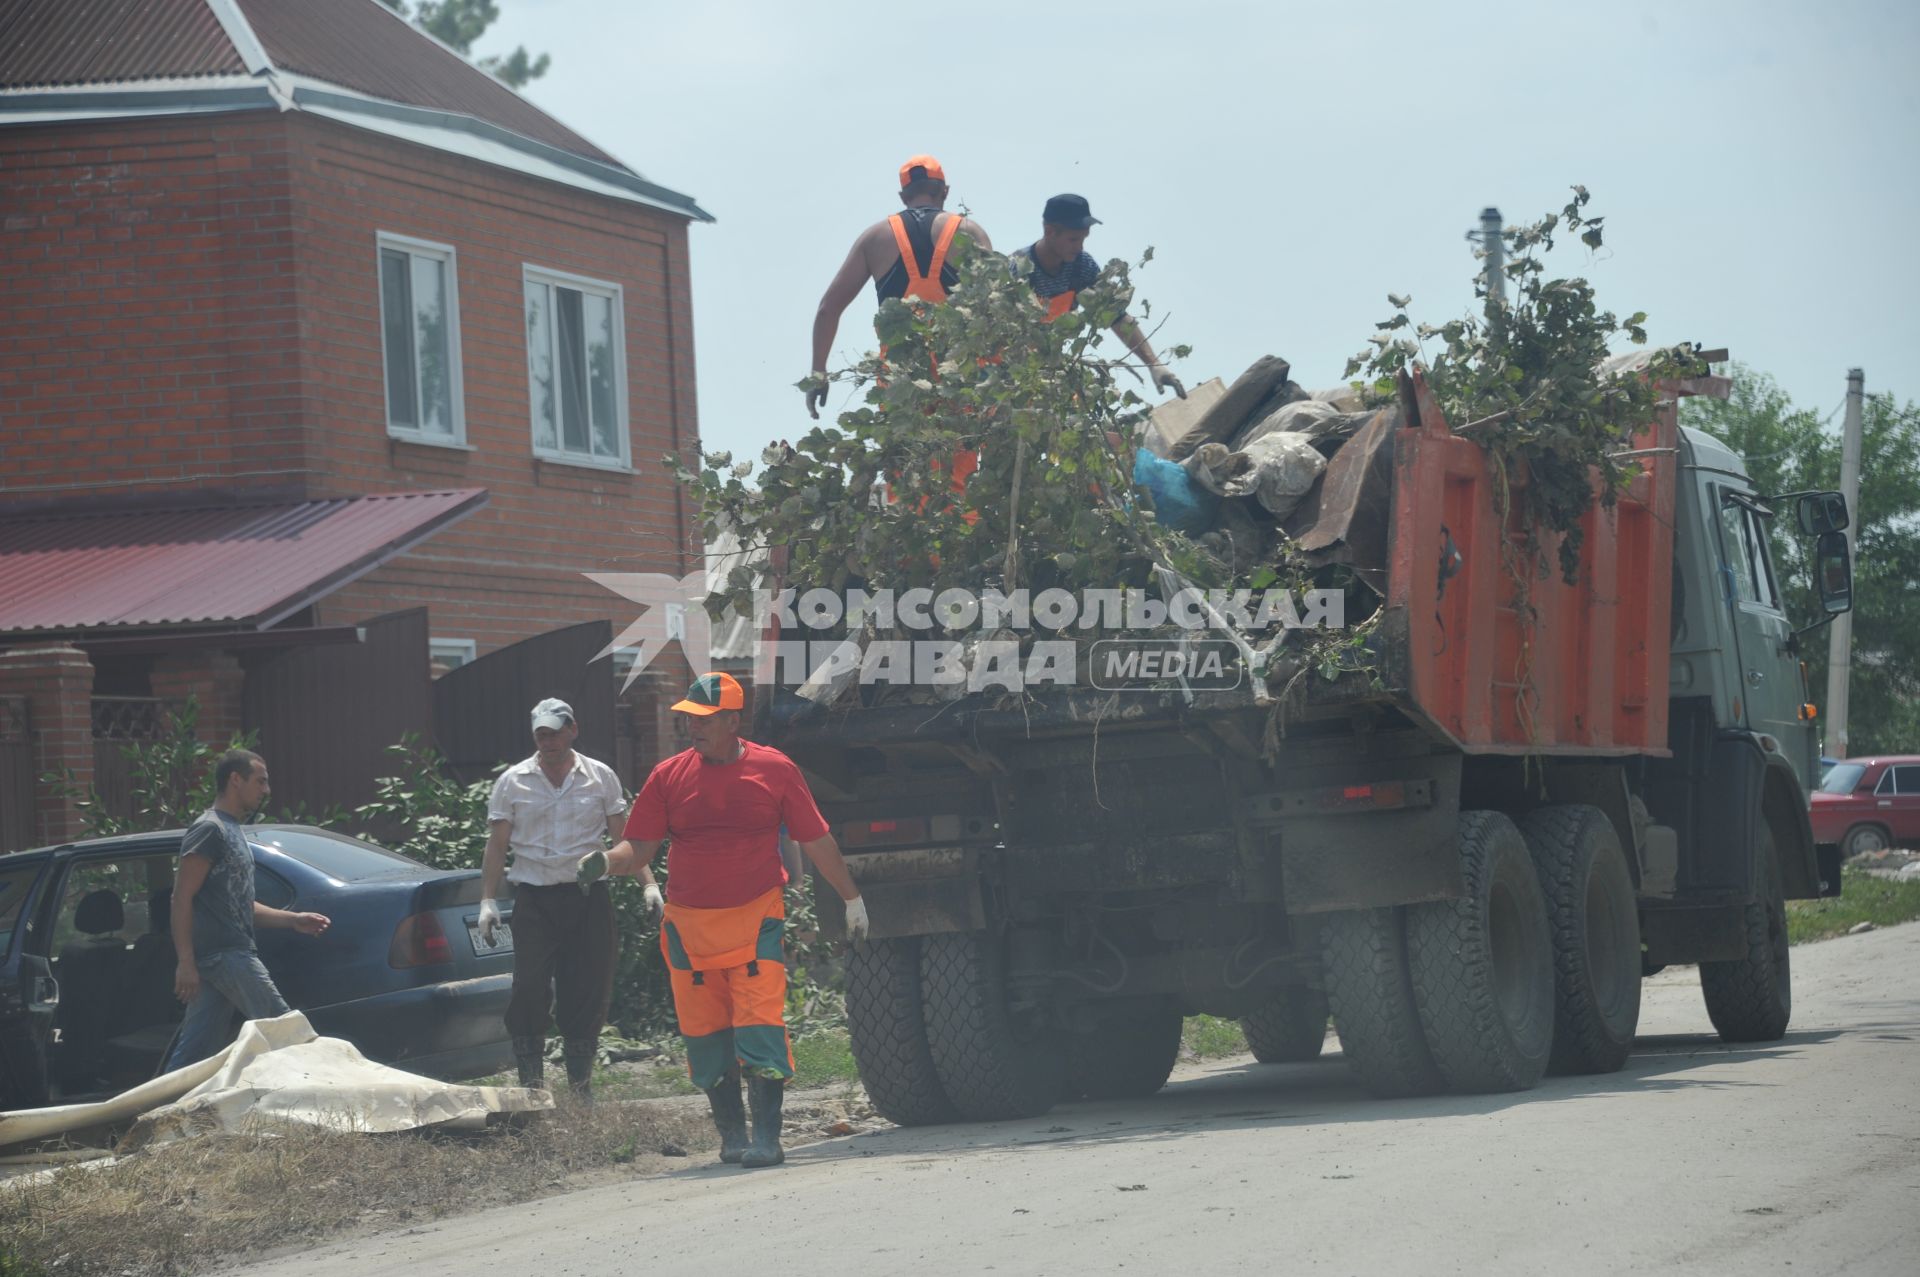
<point>184,1207</point>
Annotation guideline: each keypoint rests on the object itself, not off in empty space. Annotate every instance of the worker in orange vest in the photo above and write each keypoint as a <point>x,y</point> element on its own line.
<point>1062,266</point>
<point>905,255</point>
<point>721,806</point>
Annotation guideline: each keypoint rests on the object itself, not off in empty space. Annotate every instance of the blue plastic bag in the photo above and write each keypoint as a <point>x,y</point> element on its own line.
<point>1178,502</point>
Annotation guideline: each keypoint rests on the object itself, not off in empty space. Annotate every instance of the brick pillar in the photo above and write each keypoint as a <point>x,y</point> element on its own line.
<point>57,682</point>
<point>214,678</point>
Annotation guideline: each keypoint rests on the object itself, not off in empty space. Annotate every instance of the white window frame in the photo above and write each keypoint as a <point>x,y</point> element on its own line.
<point>468,649</point>
<point>623,431</point>
<point>389,240</point>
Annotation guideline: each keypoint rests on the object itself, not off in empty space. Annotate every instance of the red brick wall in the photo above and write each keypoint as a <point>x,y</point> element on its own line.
<point>194,303</point>
<point>147,336</point>
<point>513,569</point>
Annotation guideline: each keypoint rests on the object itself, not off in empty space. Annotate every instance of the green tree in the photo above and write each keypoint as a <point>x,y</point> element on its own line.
<point>1788,449</point>
<point>458,23</point>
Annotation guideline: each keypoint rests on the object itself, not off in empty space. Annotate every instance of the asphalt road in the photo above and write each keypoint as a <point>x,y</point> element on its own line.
<point>1800,1156</point>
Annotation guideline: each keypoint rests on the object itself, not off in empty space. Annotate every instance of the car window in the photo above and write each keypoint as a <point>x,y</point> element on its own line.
<point>339,857</point>
<point>117,899</point>
<point>1842,777</point>
<point>14,885</point>
<point>1885,784</point>
<point>269,888</point>
<point>1906,780</point>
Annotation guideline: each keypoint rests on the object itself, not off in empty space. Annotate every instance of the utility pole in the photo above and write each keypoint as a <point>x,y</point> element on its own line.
<point>1495,245</point>
<point>1840,641</point>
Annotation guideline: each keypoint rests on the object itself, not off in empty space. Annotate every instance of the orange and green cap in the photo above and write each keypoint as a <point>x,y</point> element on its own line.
<point>711,693</point>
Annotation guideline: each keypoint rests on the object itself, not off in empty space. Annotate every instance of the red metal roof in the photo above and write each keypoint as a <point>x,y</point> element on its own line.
<point>45,43</point>
<point>364,45</point>
<point>356,44</point>
<point>219,565</point>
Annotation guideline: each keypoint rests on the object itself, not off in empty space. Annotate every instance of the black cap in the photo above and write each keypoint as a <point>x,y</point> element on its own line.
<point>1070,211</point>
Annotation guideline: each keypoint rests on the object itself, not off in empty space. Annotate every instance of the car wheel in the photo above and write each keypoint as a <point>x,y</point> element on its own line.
<point>1863,840</point>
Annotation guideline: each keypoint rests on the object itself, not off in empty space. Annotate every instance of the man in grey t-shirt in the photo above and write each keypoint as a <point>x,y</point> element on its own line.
<point>214,914</point>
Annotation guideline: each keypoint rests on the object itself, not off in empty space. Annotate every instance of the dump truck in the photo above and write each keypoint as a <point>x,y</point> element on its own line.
<point>1550,785</point>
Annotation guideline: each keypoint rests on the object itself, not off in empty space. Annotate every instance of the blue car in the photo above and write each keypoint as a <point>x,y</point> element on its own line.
<point>86,959</point>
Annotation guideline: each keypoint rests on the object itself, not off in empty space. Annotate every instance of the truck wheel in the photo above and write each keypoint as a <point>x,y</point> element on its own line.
<point>1289,1029</point>
<point>1364,957</point>
<point>888,1034</point>
<point>991,1065</point>
<point>1750,999</point>
<point>1595,923</point>
<point>1862,840</point>
<point>1483,965</point>
<point>1126,1059</point>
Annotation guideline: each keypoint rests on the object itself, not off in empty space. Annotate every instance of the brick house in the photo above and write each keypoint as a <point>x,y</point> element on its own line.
<point>295,278</point>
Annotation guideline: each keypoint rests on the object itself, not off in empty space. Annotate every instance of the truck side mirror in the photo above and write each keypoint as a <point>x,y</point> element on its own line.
<point>1833,569</point>
<point>1820,513</point>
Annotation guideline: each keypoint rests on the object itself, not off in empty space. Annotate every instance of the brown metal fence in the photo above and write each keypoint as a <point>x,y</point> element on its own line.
<point>17,829</point>
<point>326,715</point>
<point>480,710</point>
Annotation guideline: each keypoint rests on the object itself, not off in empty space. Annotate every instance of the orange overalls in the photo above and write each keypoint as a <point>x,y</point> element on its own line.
<point>729,979</point>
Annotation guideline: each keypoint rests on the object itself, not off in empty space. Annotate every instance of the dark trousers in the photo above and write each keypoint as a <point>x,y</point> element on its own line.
<point>563,956</point>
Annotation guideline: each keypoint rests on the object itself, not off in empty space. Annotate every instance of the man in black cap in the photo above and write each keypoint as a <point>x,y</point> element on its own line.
<point>1062,266</point>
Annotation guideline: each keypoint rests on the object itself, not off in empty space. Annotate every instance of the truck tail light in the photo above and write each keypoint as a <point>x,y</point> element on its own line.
<point>419,941</point>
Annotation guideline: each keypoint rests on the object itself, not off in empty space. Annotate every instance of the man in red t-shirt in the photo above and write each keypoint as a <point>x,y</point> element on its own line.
<point>722,804</point>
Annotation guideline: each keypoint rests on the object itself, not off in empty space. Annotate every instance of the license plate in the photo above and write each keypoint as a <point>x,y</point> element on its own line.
<point>502,940</point>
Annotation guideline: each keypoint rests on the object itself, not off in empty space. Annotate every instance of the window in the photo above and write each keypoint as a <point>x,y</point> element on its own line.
<point>15,883</point>
<point>1906,780</point>
<point>339,857</point>
<point>420,338</point>
<point>1885,787</point>
<point>1745,541</point>
<point>1841,778</point>
<point>576,369</point>
<point>445,654</point>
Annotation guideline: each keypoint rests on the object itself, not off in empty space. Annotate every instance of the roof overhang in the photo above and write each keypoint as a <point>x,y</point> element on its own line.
<point>193,569</point>
<point>277,90</point>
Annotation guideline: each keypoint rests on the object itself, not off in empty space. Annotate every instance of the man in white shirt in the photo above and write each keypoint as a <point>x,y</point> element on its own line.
<point>549,811</point>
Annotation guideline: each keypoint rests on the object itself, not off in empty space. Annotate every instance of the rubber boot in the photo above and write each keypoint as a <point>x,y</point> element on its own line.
<point>765,1095</point>
<point>530,1058</point>
<point>729,1117</point>
<point>578,1054</point>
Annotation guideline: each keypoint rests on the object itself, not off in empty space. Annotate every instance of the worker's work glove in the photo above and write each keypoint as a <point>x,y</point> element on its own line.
<point>1164,380</point>
<point>592,868</point>
<point>489,920</point>
<point>856,918</point>
<point>656,903</point>
<point>814,386</point>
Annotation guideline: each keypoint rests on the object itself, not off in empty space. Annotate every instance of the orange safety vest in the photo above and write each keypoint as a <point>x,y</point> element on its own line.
<point>1060,304</point>
<point>924,287</point>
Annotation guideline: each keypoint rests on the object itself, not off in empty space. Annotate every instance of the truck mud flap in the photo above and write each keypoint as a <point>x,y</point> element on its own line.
<point>1670,936</point>
<point>922,892</point>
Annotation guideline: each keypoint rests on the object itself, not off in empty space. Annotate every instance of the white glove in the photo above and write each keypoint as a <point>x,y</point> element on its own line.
<point>856,918</point>
<point>489,920</point>
<point>656,903</point>
<point>592,868</point>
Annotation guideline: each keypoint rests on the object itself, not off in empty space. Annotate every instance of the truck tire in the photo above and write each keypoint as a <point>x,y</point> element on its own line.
<point>990,1066</point>
<point>1750,999</point>
<point>888,1033</point>
<point>1594,919</point>
<point>1370,993</point>
<point>1482,965</point>
<point>1288,1030</point>
<point>1126,1059</point>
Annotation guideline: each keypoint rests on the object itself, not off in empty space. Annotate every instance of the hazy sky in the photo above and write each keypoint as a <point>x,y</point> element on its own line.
<point>1290,163</point>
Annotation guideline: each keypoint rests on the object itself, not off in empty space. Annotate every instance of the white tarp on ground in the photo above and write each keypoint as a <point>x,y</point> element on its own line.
<point>277,1073</point>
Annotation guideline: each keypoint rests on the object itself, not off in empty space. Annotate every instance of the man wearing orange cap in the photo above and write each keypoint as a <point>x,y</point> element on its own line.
<point>723,803</point>
<point>904,255</point>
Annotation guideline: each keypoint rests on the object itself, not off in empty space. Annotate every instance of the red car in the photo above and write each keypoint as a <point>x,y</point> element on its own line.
<point>1869,804</point>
